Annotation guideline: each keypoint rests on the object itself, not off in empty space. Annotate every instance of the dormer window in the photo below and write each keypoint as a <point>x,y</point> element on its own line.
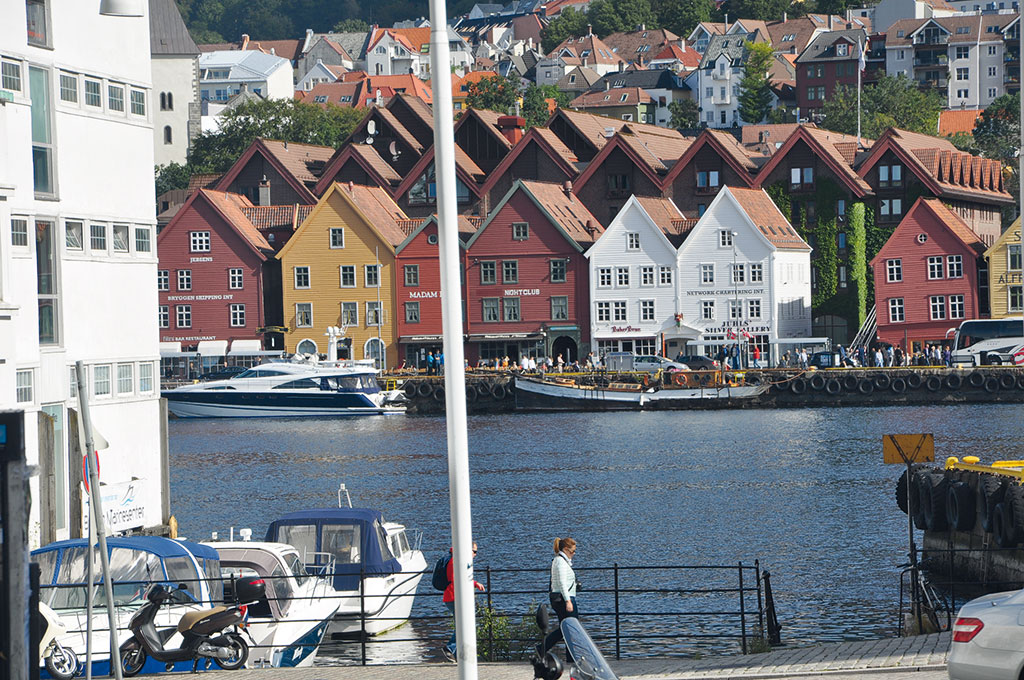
<point>842,49</point>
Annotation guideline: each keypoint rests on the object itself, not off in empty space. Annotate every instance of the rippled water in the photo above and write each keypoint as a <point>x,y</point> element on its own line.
<point>804,491</point>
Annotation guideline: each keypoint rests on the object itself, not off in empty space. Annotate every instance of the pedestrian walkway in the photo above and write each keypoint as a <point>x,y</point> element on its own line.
<point>925,652</point>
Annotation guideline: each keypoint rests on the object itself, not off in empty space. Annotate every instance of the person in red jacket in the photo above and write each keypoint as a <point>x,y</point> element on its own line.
<point>449,601</point>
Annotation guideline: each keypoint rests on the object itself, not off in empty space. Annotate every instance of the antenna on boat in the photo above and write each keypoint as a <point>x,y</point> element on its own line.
<point>342,489</point>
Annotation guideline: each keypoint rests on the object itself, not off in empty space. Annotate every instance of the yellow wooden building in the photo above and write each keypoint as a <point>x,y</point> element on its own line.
<point>1005,284</point>
<point>338,269</point>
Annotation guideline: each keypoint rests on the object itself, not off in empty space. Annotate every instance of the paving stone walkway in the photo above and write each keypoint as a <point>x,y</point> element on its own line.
<point>868,657</point>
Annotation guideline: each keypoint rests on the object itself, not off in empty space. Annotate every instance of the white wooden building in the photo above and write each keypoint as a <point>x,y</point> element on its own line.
<point>744,276</point>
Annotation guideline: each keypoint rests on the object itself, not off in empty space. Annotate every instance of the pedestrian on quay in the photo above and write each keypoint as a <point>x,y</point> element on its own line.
<point>561,591</point>
<point>449,601</point>
<point>561,363</point>
<point>947,356</point>
<point>431,363</point>
<point>860,356</point>
<point>757,357</point>
<point>879,359</point>
<point>803,358</point>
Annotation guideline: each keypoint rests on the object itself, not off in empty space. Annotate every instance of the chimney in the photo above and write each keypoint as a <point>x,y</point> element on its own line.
<point>607,85</point>
<point>784,18</point>
<point>511,128</point>
<point>567,187</point>
<point>682,44</point>
<point>351,186</point>
<point>830,22</point>
<point>245,41</point>
<point>590,30</point>
<point>264,191</point>
<point>589,227</point>
<point>643,27</point>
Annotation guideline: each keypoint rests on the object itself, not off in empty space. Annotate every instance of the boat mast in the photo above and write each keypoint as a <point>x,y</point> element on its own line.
<point>454,367</point>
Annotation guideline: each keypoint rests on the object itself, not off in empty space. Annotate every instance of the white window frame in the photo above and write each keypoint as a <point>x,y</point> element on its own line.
<point>603,311</point>
<point>199,241</point>
<point>619,311</point>
<point>647,310</point>
<point>707,274</point>
<point>125,379</point>
<point>604,277</point>
<point>184,279</point>
<point>163,280</point>
<point>707,310</point>
<point>935,267</point>
<point>301,307</point>
<point>897,311</point>
<point>954,266</point>
<point>622,277</point>
<point>101,380</point>
<point>236,278</point>
<point>183,316</point>
<point>336,243</point>
<point>957,306</point>
<point>304,271</point>
<point>632,240</point>
<point>894,270</point>
<point>937,307</point>
<point>375,268</point>
<point>237,315</point>
<point>664,276</point>
<point>647,275</point>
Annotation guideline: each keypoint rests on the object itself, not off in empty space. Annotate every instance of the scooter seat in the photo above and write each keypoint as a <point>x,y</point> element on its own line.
<point>192,618</point>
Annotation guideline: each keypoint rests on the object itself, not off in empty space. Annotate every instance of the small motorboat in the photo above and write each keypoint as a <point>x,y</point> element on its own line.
<point>374,569</point>
<point>286,626</point>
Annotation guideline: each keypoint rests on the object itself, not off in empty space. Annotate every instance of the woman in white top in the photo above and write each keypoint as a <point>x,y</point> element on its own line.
<point>562,592</point>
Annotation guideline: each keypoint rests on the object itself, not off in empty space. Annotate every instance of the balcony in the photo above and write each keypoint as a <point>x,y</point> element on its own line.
<point>934,82</point>
<point>1011,79</point>
<point>937,60</point>
<point>1011,58</point>
<point>931,39</point>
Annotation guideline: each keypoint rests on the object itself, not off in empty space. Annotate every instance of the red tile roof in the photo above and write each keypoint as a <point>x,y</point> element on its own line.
<point>203,181</point>
<point>460,86</point>
<point>277,216</point>
<point>954,121</point>
<point>955,223</point>
<point>567,210</point>
<point>304,161</point>
<point>233,206</point>
<point>689,57</point>
<point>616,96</point>
<point>378,207</point>
<point>763,212</point>
<point>597,52</point>
<point>663,212</point>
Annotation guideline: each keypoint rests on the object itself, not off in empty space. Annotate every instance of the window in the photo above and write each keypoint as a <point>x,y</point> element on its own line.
<point>735,309</point>
<point>143,240</point>
<point>619,311</point>
<point>666,275</point>
<point>349,314</point>
<point>725,238</point>
<point>647,310</point>
<point>963,52</point>
<point>754,309</point>
<point>199,241</point>
<point>1013,257</point>
<point>935,267</point>
<point>511,306</point>
<point>304,315</point>
<point>604,277</point>
<point>992,93</point>
<point>890,175</point>
<point>120,234</point>
<point>894,270</point>
<point>145,377</point>
<point>963,94</point>
<point>991,71</point>
<point>301,277</point>
<point>801,177</point>
<point>756,273</point>
<point>890,207</point>
<point>164,317</point>
<point>46,281</point>
<point>1015,298</point>
<point>488,273</point>
<point>125,378</point>
<point>707,310</point>
<point>412,275</point>
<point>841,209</point>
<point>842,49</point>
<point>955,266</point>
<point>937,303</point>
<point>963,74</point>
<point>68,88</point>
<point>991,50</point>
<point>237,315</point>
<point>23,391</point>
<point>92,93</point>
<point>184,279</point>
<point>896,310</point>
<point>520,231</point>
<point>42,141</point>
<point>73,235</point>
<point>604,311</point>
<point>115,97</point>
<point>162,280</point>
<point>618,183</point>
<point>10,75</point>
<point>956,306</point>
<point>166,101</point>
<point>19,232</point>
<point>707,274</point>
<point>371,275</point>
<point>560,308</point>
<point>646,275</point>
<point>37,22</point>
<point>348,276</point>
<point>490,309</point>
<point>737,273</point>
<point>622,277</point>
<point>707,179</point>
<point>337,237</point>
<point>235,278</point>
<point>138,102</point>
<point>558,270</point>
<point>184,316</point>
<point>632,241</point>
<point>510,271</point>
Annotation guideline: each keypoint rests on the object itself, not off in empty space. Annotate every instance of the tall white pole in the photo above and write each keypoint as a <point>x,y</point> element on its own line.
<point>96,518</point>
<point>860,65</point>
<point>454,367</point>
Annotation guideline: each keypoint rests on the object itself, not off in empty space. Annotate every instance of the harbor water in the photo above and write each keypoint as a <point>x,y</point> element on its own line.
<point>803,491</point>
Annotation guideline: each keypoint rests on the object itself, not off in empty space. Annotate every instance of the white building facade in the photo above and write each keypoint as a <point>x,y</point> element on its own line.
<point>78,254</point>
<point>223,74</point>
<point>175,109</point>
<point>634,299</point>
<point>744,277</point>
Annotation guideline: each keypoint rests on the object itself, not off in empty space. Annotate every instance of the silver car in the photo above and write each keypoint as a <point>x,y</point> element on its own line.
<point>987,638</point>
<point>653,364</point>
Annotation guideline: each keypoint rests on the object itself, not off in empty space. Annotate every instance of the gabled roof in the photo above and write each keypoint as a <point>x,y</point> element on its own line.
<point>945,217</point>
<point>662,211</point>
<point>640,45</point>
<point>946,171</point>
<point>838,151</point>
<point>488,120</point>
<point>657,213</point>
<point>353,42</point>
<point>616,96</point>
<point>415,104</point>
<point>579,78</point>
<point>231,208</point>
<point>562,208</point>
<point>299,164</point>
<point>732,45</point>
<point>689,57</point>
<point>277,216</point>
<point>167,32</point>
<point>460,86</point>
<point>823,47</point>
<point>465,169</point>
<point>467,227</point>
<point>647,79</point>
<point>802,31</point>
<point>1011,235</point>
<point>289,49</point>
<point>548,142</point>
<point>241,65</point>
<point>726,146</point>
<point>653,154</point>
<point>768,219</point>
<point>589,48</point>
<point>369,158</point>
<point>343,94</point>
<point>962,29</point>
<point>589,126</point>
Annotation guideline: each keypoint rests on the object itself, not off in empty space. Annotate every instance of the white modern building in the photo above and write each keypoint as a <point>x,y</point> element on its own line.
<point>633,294</point>
<point>745,276</point>
<point>78,255</point>
<point>223,74</point>
<point>176,113</point>
<point>398,51</point>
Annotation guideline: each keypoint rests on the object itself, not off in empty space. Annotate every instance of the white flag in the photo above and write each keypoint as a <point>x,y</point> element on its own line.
<point>862,62</point>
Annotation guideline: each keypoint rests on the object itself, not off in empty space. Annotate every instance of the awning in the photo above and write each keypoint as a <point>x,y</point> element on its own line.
<point>505,336</point>
<point>245,347</point>
<point>213,348</point>
<point>684,331</point>
<point>173,349</point>
<point>420,338</point>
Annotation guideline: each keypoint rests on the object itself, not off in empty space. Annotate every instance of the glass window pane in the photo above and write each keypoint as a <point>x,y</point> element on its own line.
<point>302,537</point>
<point>342,541</point>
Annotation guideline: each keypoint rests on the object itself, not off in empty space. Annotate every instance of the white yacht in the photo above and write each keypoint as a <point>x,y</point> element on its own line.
<point>288,389</point>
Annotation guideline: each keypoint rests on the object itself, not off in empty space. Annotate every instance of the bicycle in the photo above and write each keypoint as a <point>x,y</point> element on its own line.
<point>929,611</point>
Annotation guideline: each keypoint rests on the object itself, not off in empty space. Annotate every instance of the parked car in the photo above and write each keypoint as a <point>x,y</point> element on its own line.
<point>222,373</point>
<point>697,362</point>
<point>653,364</point>
<point>986,638</point>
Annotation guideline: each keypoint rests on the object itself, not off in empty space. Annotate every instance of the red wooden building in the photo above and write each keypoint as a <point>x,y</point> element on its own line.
<point>926,276</point>
<point>527,282</point>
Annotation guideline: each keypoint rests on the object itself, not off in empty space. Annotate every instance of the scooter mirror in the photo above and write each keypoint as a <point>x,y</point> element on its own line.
<point>542,618</point>
<point>182,586</point>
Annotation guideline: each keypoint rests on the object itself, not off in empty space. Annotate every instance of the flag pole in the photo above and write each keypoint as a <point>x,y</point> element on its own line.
<point>861,64</point>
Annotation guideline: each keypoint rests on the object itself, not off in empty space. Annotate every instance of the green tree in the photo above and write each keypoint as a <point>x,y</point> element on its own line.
<point>604,18</point>
<point>571,22</point>
<point>893,101</point>
<point>685,114</point>
<point>495,93</point>
<point>171,176</point>
<point>351,26</point>
<point>781,114</point>
<point>284,119</point>
<point>535,105</point>
<point>997,135</point>
<point>755,87</point>
<point>767,10</point>
<point>634,13</point>
<point>682,16</point>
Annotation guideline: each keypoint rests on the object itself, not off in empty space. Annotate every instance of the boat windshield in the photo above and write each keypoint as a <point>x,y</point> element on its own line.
<point>132,572</point>
<point>259,372</point>
<point>385,547</point>
<point>302,537</point>
<point>399,543</point>
<point>303,384</point>
<point>350,383</point>
<point>342,541</point>
<point>297,568</point>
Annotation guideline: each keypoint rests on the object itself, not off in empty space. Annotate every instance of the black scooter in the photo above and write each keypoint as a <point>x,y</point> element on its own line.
<point>587,661</point>
<point>201,631</point>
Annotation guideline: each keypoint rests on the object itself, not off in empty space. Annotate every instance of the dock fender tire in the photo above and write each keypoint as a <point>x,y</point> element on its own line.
<point>1015,500</point>
<point>914,381</point>
<point>425,388</point>
<point>882,382</point>
<point>1003,528</point>
<point>933,501</point>
<point>954,382</point>
<point>850,383</point>
<point>754,379</point>
<point>917,511</point>
<point>833,387</point>
<point>933,383</point>
<point>499,391</point>
<point>471,394</point>
<point>1007,381</point>
<point>798,386</point>
<point>409,388</point>
<point>989,494</point>
<point>976,379</point>
<point>991,384</point>
<point>865,386</point>
<point>899,385</point>
<point>817,382</point>
<point>1020,382</point>
<point>901,495</point>
<point>960,509</point>
<point>439,393</point>
<point>705,379</point>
